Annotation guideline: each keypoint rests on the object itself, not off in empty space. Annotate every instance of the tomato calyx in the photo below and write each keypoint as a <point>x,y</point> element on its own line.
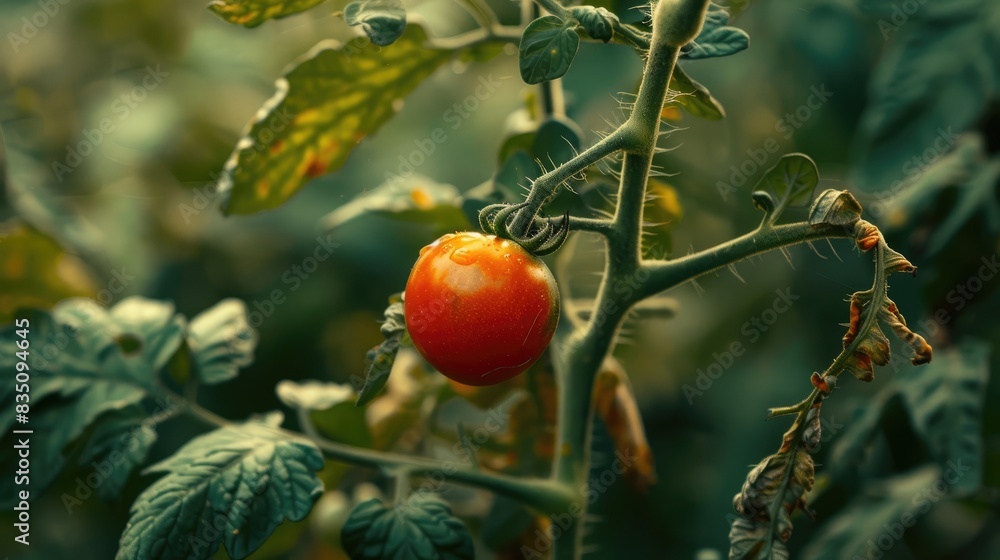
<point>541,236</point>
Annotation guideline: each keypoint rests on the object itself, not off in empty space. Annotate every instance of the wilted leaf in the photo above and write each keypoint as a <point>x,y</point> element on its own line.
<point>244,480</point>
<point>836,208</point>
<point>548,47</point>
<point>616,405</point>
<point>332,98</point>
<point>772,491</point>
<point>922,352</point>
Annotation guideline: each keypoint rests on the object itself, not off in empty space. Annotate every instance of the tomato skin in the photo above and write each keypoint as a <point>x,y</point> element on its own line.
<point>480,309</point>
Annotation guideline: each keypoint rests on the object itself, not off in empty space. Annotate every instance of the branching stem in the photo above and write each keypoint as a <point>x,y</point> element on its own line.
<point>542,494</point>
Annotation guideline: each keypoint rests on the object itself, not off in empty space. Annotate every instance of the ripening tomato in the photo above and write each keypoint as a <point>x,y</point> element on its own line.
<point>480,309</point>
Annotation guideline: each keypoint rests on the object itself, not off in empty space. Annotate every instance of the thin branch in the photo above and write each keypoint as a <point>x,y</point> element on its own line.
<point>546,495</point>
<point>664,275</point>
<point>544,188</point>
<point>478,36</point>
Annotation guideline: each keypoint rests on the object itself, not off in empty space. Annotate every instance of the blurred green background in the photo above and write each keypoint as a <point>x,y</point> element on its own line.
<point>141,209</point>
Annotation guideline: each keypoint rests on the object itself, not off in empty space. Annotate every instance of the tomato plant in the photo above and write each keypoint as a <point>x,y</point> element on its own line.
<point>536,353</point>
<point>479,308</point>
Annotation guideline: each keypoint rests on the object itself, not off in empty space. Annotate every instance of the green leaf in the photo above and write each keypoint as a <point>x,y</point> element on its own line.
<point>382,20</point>
<point>853,531</point>
<point>977,197</point>
<point>599,23</point>
<point>232,486</point>
<point>61,422</point>
<point>118,445</point>
<point>148,334</point>
<point>722,41</point>
<point>506,520</point>
<point>313,395</point>
<point>85,362</point>
<point>833,207</point>
<point>547,49</point>
<point>945,401</point>
<point>251,13</point>
<point>76,347</point>
<point>37,272</point>
<point>328,102</point>
<point>413,198</point>
<point>849,448</point>
<point>935,78</point>
<point>418,529</point>
<point>221,341</point>
<point>693,97</point>
<point>381,358</point>
<point>789,183</point>
<point>716,38</point>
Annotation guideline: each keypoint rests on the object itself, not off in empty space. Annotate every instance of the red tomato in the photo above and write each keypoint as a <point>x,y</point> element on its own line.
<point>480,309</point>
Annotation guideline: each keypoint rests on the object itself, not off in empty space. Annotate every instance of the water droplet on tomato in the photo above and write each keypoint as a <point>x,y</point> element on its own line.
<point>463,257</point>
<point>506,256</point>
<point>425,249</point>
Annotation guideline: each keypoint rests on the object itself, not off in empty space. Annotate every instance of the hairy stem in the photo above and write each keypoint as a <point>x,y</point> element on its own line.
<point>544,188</point>
<point>579,361</point>
<point>663,275</point>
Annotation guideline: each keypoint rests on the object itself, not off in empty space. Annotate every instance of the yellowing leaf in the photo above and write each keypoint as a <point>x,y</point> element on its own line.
<point>333,97</point>
<point>251,13</point>
<point>665,200</point>
<point>615,403</point>
<point>36,272</point>
<point>693,97</point>
<point>662,210</point>
<point>671,113</point>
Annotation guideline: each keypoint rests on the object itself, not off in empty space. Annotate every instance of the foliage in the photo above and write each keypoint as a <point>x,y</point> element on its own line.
<point>116,384</point>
